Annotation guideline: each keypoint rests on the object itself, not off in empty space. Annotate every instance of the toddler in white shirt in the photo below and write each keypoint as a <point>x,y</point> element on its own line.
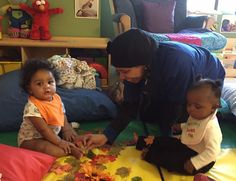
<point>200,142</point>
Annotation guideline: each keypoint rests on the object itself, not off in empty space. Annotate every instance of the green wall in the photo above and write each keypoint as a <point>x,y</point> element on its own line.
<point>107,28</point>
<point>66,24</point>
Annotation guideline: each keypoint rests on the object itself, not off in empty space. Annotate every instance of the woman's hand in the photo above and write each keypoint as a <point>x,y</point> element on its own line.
<point>66,146</point>
<point>94,140</point>
<point>188,167</point>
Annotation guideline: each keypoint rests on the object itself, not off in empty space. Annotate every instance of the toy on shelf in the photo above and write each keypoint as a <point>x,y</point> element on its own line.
<point>41,16</point>
<point>19,20</point>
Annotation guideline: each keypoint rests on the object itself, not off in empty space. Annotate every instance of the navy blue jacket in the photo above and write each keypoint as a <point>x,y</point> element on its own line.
<point>173,69</point>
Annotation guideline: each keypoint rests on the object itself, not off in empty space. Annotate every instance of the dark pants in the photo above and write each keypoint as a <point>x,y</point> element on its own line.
<point>170,153</point>
<point>222,117</point>
<point>164,115</point>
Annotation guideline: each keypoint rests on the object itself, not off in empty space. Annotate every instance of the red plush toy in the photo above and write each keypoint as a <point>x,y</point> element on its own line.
<point>40,13</point>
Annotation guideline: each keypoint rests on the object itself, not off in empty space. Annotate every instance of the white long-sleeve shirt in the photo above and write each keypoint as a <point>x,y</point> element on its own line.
<point>210,143</point>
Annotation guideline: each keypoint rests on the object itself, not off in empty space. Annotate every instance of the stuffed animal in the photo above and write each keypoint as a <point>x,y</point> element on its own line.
<point>73,72</point>
<point>41,16</point>
<point>19,20</point>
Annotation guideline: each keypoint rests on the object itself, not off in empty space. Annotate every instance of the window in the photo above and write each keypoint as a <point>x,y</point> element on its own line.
<point>227,6</point>
<point>224,6</point>
<point>200,5</point>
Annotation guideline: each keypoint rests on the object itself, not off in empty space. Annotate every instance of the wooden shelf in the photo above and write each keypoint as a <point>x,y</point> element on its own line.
<point>58,45</point>
<point>229,61</point>
<point>63,42</point>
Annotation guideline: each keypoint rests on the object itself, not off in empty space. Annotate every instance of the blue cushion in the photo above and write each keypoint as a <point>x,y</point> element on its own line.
<point>137,4</point>
<point>180,14</point>
<point>126,7</point>
<point>194,21</point>
<point>224,107</point>
<point>12,102</point>
<point>80,104</point>
<point>85,104</point>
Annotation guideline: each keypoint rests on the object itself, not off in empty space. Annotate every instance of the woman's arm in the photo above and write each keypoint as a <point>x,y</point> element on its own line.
<point>126,112</point>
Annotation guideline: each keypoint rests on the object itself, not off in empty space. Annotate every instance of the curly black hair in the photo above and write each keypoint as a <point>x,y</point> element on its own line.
<point>215,86</point>
<point>30,67</point>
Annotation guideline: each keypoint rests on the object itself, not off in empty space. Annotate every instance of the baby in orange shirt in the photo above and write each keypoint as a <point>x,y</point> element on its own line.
<point>44,114</point>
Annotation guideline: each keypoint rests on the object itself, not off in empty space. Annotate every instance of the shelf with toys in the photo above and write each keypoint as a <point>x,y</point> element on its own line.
<point>20,50</point>
<point>229,62</point>
<point>29,36</point>
<point>228,58</point>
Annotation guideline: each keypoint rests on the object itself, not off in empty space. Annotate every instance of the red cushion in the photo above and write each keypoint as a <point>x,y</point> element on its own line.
<point>21,164</point>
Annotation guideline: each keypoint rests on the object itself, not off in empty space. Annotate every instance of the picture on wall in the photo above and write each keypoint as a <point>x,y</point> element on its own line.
<point>87,9</point>
<point>228,24</point>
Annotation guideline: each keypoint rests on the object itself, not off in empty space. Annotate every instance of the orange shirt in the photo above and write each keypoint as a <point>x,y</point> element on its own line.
<point>51,111</point>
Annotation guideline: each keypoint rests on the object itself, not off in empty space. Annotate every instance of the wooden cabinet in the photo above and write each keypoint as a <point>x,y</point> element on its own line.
<point>26,49</point>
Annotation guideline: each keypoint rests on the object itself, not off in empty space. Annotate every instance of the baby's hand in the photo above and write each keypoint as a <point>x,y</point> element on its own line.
<point>66,146</point>
<point>176,128</point>
<point>81,147</point>
<point>69,135</point>
<point>80,142</point>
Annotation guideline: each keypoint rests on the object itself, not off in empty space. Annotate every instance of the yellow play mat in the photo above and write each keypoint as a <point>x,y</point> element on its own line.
<point>128,166</point>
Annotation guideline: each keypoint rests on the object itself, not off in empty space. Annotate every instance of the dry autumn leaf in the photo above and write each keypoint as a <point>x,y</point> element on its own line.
<point>136,179</point>
<point>60,169</point>
<point>123,172</point>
